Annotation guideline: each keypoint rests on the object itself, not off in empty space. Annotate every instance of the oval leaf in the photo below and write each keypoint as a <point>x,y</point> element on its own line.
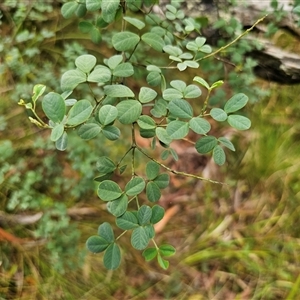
<point>139,238</point>
<point>125,40</point>
<point>118,206</point>
<point>135,186</point>
<point>71,79</point>
<point>177,129</point>
<point>144,214</point>
<point>129,111</point>
<point>118,91</point>
<point>152,191</point>
<point>218,114</point>
<point>96,244</point>
<point>154,41</point>
<point>79,113</point>
<point>127,221</point>
<point>54,107</point>
<point>112,257</point>
<point>85,63</point>
<point>235,103</point>
<point>199,125</point>
<point>108,190</point>
<point>181,109</point>
<point>107,114</point>
<point>239,122</point>
<point>89,131</point>
<point>206,144</point>
<point>219,155</point>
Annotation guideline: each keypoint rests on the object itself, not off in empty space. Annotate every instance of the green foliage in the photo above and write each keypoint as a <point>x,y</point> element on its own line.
<point>162,108</point>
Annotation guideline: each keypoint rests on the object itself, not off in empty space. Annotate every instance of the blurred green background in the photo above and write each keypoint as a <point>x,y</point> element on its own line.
<point>236,241</point>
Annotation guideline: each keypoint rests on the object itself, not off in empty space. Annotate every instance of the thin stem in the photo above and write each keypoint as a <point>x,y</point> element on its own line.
<point>179,172</point>
<point>121,234</point>
<point>155,244</point>
<point>234,41</point>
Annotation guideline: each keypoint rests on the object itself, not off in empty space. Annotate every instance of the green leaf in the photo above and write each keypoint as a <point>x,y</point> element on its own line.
<point>158,213</point>
<point>111,132</point>
<point>239,122</point>
<point>154,41</point>
<point>144,214</point>
<point>100,74</point>
<point>171,94</point>
<point>139,238</point>
<point>162,262</point>
<point>206,144</point>
<point>127,221</point>
<point>129,111</point>
<point>172,50</point>
<point>85,63</point>
<point>112,257</point>
<point>167,250</point>
<point>162,180</point>
<point>103,177</point>
<point>105,230</point>
<point>85,27</point>
<point>113,61</point>
<point>160,108</point>
<point>62,142</point>
<point>199,125</point>
<point>118,90</point>
<point>235,103</point>
<point>147,133</point>
<point>226,143</point>
<point>181,109</point>
<point>79,113</point>
<point>38,90</point>
<point>96,244</point>
<point>68,9</point>
<point>57,132</point>
<point>105,165</point>
<point>71,79</point>
<point>135,22</point>
<point>192,91</point>
<point>217,84</point>
<point>93,5</point>
<point>218,114</point>
<point>154,78</point>
<point>54,107</point>
<point>152,191</point>
<point>146,94</point>
<point>162,135</point>
<point>219,155</point>
<point>135,186</point>
<point>108,190</point>
<point>81,10</point>
<point>89,131</point>
<point>178,85</point>
<point>109,9</point>
<point>123,70</point>
<point>125,40</point>
<point>174,154</point>
<point>150,231</point>
<point>118,206</point>
<point>149,253</point>
<point>201,81</point>
<point>152,170</point>
<point>146,122</point>
<point>177,129</point>
<point>107,114</point>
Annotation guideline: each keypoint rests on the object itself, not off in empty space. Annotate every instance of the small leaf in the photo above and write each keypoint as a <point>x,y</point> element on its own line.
<point>96,244</point>
<point>139,238</point>
<point>107,114</point>
<point>93,5</point>
<point>158,213</point>
<point>111,132</point>
<point>162,262</point>
<point>181,109</point>
<point>171,94</point>
<point>219,155</point>
<point>57,132</point>
<point>54,107</point>
<point>154,78</point>
<point>218,114</point>
<point>154,41</point>
<point>71,79</point>
<point>105,230</point>
<point>149,253</point>
<point>125,40</point>
<point>146,122</point>
<point>152,170</point>
<point>118,90</point>
<point>108,190</point>
<point>112,257</point>
<point>217,84</point>
<point>201,81</point>
<point>135,186</point>
<point>123,70</point>
<point>129,111</point>
<point>89,131</point>
<point>152,191</point>
<point>38,90</point>
<point>68,9</point>
<point>113,61</point>
<point>62,142</point>
<point>105,165</point>
<point>192,91</point>
<point>100,75</point>
<point>199,125</point>
<point>118,206</point>
<point>127,221</point>
<point>167,250</point>
<point>177,129</point>
<point>109,9</point>
<point>79,113</point>
<point>162,135</point>
<point>226,143</point>
<point>235,103</point>
<point>162,180</point>
<point>146,94</point>
<point>144,214</point>
<point>239,122</point>
<point>206,144</point>
<point>85,63</point>
<point>135,22</point>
